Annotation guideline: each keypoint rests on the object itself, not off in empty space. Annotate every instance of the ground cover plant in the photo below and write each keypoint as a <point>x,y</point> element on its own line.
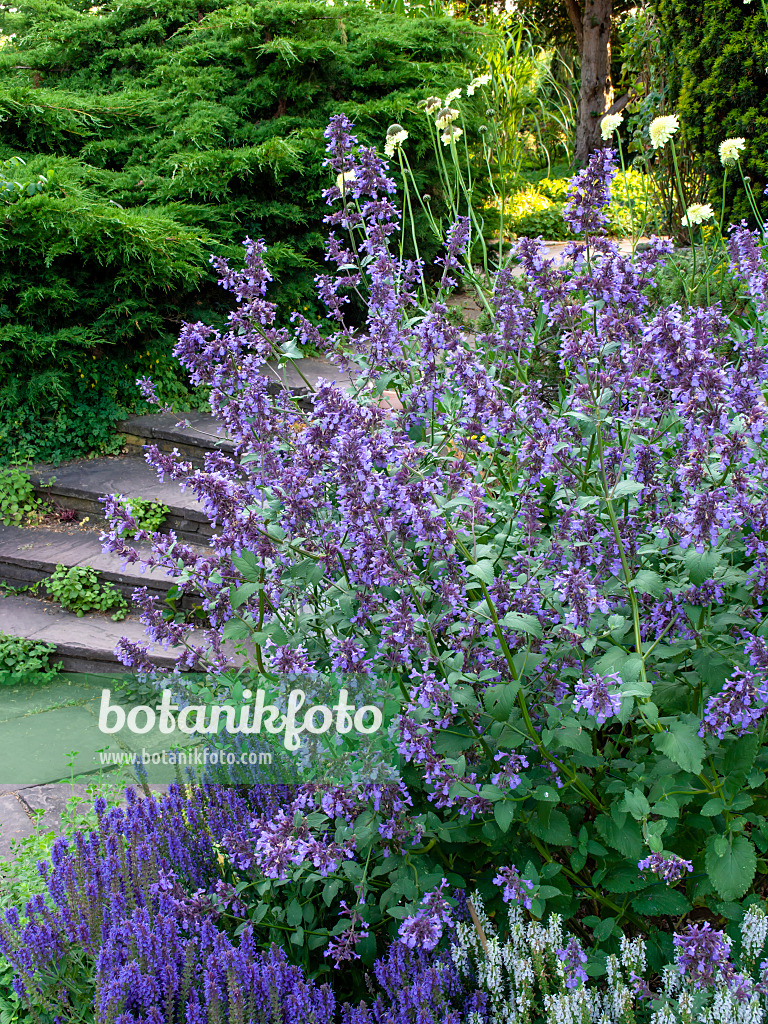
<point>24,661</point>
<point>17,496</point>
<point>79,589</point>
<point>148,513</point>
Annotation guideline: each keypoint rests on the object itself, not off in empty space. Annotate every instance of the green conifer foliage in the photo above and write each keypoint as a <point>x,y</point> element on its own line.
<point>720,88</point>
<point>156,132</point>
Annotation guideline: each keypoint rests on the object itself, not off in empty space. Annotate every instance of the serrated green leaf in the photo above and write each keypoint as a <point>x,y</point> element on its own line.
<point>504,813</point>
<point>682,745</point>
<point>701,565</point>
<point>648,582</point>
<point>626,488</point>
<point>661,901</point>
<point>626,880</point>
<point>731,872</point>
<point>625,837</point>
<point>712,807</point>
<point>482,570</point>
<point>523,624</point>
<point>294,914</point>
<point>556,830</point>
<point>236,629</point>
<point>248,567</point>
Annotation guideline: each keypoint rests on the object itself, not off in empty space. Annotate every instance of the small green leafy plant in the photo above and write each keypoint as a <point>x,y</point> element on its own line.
<point>17,496</point>
<point>78,590</point>
<point>148,513</point>
<point>25,661</point>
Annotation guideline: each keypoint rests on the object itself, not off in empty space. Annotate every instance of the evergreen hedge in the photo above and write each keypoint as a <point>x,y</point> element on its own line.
<point>156,132</point>
<point>720,86</point>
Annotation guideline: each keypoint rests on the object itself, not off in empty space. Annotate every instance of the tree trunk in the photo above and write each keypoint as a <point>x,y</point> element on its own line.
<point>596,94</point>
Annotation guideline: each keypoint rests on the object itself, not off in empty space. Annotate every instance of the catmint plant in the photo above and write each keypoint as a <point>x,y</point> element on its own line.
<point>558,584</point>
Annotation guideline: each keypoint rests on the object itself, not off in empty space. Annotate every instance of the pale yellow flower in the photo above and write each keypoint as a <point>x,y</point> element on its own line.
<point>445,117</point>
<point>451,134</point>
<point>662,129</point>
<point>342,179</point>
<point>697,214</point>
<point>730,150</point>
<point>396,136</point>
<point>609,124</point>
<point>454,95</point>
<point>432,103</point>
<point>476,83</point>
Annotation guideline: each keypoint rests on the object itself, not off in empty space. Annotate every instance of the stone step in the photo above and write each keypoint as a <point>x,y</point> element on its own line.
<point>81,484</point>
<point>195,433</point>
<point>84,644</point>
<point>192,436</point>
<point>31,554</point>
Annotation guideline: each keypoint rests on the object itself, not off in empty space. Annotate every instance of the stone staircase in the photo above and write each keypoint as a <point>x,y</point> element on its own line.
<point>29,555</point>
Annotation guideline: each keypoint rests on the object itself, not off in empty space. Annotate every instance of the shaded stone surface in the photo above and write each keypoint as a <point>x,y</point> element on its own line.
<point>18,701</point>
<point>51,802</point>
<point>15,823</point>
<point>31,554</point>
<point>83,644</point>
<point>93,478</point>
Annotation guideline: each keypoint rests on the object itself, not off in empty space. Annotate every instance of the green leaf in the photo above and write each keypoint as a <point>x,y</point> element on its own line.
<point>648,582</point>
<point>307,570</point>
<point>557,831</point>
<point>236,629</point>
<point>523,624</point>
<point>603,930</point>
<point>731,872</point>
<point>483,570</point>
<point>712,807</point>
<point>504,813</point>
<point>247,566</point>
<point>626,837</point>
<point>242,594</point>
<point>637,804</point>
<point>682,745</point>
<point>661,901</point>
<point>625,489</point>
<point>625,880</point>
<point>711,668</point>
<point>294,914</point>
<point>701,565</point>
<point>574,737</point>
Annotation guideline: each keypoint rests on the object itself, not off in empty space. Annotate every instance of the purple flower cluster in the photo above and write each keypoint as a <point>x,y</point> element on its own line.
<point>514,888</point>
<point>704,955</point>
<point>589,194</point>
<point>669,867</point>
<point>741,703</point>
<point>573,959</point>
<point>424,929</point>
<point>400,514</point>
<point>415,987</point>
<point>596,698</point>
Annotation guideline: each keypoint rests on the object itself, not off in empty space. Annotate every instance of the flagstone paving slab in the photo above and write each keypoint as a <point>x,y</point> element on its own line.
<point>19,701</point>
<point>28,555</point>
<point>129,476</point>
<point>50,746</point>
<point>83,644</point>
<point>48,804</point>
<point>15,823</point>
